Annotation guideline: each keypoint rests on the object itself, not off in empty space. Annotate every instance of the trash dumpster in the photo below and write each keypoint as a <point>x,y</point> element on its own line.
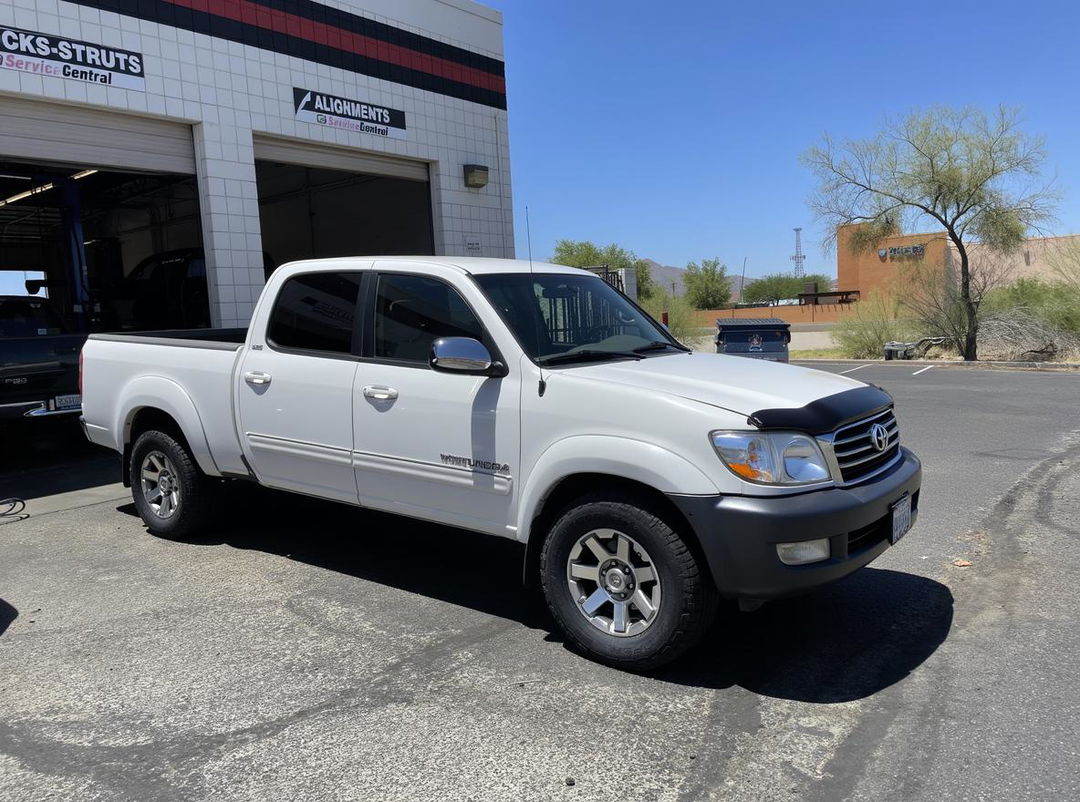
<point>757,338</point>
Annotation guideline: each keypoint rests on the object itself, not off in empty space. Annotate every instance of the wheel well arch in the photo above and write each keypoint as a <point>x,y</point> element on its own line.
<point>576,485</point>
<point>145,419</point>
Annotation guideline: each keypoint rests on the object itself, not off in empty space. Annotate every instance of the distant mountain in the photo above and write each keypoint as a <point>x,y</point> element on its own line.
<point>665,275</point>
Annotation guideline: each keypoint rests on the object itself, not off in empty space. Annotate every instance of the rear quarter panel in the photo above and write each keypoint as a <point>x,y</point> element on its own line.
<point>193,384</point>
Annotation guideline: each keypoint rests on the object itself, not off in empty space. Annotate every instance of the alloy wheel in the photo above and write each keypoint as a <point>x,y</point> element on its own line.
<point>613,582</point>
<point>160,484</point>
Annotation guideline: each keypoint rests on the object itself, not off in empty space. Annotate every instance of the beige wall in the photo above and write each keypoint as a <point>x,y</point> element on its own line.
<point>1038,257</point>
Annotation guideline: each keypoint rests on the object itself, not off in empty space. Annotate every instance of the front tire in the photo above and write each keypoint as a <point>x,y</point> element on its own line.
<point>623,585</point>
<point>169,490</point>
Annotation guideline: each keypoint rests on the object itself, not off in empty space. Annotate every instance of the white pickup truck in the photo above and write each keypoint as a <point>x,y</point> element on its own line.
<point>533,402</point>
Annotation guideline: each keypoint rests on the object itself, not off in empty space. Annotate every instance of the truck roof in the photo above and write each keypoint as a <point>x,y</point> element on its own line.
<point>474,265</point>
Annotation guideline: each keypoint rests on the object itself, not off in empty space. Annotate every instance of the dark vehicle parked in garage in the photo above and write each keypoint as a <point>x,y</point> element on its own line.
<point>164,291</point>
<point>39,360</point>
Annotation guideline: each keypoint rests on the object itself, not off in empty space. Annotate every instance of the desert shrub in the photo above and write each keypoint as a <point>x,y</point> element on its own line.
<point>1016,333</point>
<point>1055,303</point>
<point>680,314</point>
<point>863,332</point>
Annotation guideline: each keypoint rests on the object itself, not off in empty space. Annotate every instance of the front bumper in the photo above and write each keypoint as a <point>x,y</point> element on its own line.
<point>739,533</point>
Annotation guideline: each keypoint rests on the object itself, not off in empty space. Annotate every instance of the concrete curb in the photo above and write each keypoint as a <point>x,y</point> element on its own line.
<point>944,363</point>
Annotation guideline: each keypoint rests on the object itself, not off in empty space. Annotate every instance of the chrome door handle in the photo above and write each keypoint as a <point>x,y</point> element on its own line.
<point>257,377</point>
<point>380,393</point>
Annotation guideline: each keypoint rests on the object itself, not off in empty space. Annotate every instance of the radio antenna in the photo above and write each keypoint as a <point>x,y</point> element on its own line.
<point>528,238</point>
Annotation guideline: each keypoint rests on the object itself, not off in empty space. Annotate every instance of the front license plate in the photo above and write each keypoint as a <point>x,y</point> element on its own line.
<point>901,518</point>
<point>73,401</point>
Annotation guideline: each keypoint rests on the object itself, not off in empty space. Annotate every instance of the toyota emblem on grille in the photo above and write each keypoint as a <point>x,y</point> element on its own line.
<point>879,436</point>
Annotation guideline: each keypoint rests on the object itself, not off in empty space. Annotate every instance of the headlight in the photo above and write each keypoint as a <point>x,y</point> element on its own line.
<point>772,458</point>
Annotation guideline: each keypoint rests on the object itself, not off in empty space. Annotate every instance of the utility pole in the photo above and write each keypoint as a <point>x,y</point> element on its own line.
<point>742,283</point>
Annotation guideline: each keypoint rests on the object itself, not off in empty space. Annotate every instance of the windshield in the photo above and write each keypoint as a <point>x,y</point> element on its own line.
<point>557,317</point>
<point>28,317</point>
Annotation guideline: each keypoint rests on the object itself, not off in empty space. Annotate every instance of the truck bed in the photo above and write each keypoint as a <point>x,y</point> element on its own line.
<point>194,370</point>
<point>219,339</point>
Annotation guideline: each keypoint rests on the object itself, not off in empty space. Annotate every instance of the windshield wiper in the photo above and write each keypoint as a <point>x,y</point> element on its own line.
<point>656,345</point>
<point>588,355</point>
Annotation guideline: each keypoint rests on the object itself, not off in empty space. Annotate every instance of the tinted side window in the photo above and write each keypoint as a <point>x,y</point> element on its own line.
<point>412,311</point>
<point>315,312</point>
<point>28,317</point>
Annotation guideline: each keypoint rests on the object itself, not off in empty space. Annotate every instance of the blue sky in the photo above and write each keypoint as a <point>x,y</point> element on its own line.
<point>675,128</point>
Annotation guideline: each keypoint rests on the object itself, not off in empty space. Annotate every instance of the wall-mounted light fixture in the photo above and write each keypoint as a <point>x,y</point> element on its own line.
<point>476,176</point>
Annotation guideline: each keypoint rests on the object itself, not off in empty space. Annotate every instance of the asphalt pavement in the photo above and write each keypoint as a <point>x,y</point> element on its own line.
<point>305,650</point>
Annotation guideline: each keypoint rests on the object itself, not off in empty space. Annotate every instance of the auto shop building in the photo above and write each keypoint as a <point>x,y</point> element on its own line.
<point>159,157</point>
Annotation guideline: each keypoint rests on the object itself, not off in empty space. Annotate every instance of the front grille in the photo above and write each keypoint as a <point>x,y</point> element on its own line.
<point>856,455</point>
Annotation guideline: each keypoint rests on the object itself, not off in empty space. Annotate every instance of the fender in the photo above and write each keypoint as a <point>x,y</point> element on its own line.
<point>158,392</point>
<point>637,460</point>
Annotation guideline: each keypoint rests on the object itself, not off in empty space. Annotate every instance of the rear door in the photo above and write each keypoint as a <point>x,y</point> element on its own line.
<point>295,392</point>
<point>431,444</point>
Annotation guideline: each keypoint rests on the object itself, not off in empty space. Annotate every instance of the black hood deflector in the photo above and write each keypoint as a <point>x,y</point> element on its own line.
<point>826,414</point>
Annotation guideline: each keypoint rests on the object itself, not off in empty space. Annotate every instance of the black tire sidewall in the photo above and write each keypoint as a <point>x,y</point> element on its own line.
<point>184,522</point>
<point>681,591</point>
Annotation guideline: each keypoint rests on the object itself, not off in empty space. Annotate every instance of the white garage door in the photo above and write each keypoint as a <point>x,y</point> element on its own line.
<point>50,132</point>
<point>319,155</point>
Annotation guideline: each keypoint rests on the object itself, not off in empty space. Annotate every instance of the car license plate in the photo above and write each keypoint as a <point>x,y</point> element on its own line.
<point>901,518</point>
<point>73,401</point>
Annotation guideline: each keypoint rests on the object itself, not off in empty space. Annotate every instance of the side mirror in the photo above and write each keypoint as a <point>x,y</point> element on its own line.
<point>463,355</point>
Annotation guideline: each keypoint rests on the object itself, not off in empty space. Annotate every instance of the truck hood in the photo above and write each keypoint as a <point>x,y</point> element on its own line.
<point>738,384</point>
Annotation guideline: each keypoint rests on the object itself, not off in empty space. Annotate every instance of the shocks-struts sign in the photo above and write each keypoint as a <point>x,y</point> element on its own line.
<point>60,57</point>
<point>353,115</point>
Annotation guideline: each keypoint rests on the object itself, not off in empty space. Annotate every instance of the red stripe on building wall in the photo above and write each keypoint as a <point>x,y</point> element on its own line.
<point>302,28</point>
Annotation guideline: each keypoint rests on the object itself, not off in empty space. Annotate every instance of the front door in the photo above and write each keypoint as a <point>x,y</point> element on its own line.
<point>432,444</point>
<point>296,388</point>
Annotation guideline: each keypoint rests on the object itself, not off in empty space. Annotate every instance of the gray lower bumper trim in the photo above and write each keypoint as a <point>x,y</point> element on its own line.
<point>739,533</point>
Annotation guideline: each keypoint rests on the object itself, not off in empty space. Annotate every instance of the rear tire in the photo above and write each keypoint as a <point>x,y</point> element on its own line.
<point>622,584</point>
<point>170,492</point>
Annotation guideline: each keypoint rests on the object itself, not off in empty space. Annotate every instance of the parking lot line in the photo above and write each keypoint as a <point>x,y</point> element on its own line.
<point>923,370</point>
<point>852,370</point>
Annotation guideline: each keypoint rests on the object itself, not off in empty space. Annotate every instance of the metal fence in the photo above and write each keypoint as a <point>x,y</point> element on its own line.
<point>612,277</point>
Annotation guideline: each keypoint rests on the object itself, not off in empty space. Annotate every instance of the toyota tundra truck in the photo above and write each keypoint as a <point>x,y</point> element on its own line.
<point>647,482</point>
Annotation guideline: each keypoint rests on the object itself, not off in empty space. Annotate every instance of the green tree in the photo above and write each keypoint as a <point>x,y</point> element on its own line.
<point>975,176</point>
<point>681,324</point>
<point>707,285</point>
<point>781,286</point>
<point>582,253</point>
